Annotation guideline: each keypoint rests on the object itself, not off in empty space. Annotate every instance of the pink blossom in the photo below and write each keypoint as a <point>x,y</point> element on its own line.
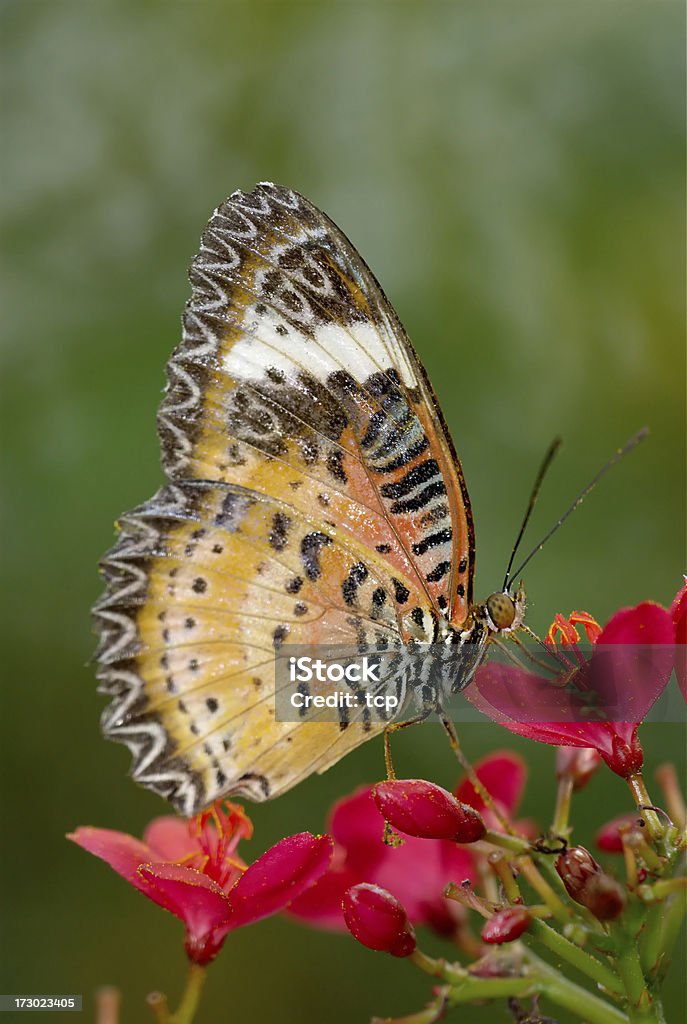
<point>192,869</point>
<point>641,642</point>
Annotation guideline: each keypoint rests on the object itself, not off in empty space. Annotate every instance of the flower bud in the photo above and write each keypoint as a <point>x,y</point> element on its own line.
<point>605,897</point>
<point>588,885</point>
<point>426,811</point>
<point>506,925</point>
<point>625,757</point>
<point>609,837</point>
<point>575,867</point>
<point>377,920</point>
<point>577,763</point>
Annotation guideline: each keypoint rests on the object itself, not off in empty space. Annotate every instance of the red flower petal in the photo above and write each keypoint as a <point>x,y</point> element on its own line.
<point>503,775</point>
<point>418,872</point>
<point>646,623</point>
<point>282,873</point>
<point>122,852</point>
<point>320,905</point>
<point>358,827</point>
<point>678,613</point>
<point>201,904</point>
<point>419,808</point>
<point>170,838</point>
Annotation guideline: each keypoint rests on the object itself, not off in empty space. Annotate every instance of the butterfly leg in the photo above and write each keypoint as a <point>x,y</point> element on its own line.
<point>396,727</point>
<point>388,836</point>
<point>454,741</point>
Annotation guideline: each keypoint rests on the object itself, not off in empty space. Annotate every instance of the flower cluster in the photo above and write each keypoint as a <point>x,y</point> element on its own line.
<point>406,854</point>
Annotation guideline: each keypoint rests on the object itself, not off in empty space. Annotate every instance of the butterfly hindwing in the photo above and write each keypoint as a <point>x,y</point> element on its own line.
<point>205,584</point>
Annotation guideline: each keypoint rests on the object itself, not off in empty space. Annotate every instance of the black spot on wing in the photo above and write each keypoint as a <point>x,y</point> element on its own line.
<point>311,547</point>
<point>335,466</point>
<point>349,588</point>
<point>279,636</point>
<point>279,532</point>
<point>438,572</point>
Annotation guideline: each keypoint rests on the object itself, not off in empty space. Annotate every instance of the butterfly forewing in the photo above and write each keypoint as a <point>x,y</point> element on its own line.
<point>295,377</point>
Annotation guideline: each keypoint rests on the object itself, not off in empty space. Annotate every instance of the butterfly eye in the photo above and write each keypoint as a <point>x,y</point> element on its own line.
<point>501,610</point>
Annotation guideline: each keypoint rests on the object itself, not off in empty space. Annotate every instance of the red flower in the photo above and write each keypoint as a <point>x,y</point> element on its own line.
<point>377,920</point>
<point>192,869</point>
<point>628,670</point>
<point>416,872</point>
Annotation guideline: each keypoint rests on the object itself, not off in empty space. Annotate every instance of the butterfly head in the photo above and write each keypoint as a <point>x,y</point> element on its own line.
<point>505,611</point>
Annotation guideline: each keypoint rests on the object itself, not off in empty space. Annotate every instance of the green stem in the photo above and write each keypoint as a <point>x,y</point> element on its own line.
<point>432,1013</point>
<point>641,1007</point>
<point>451,973</point>
<point>572,997</point>
<point>643,801</point>
<point>651,941</point>
<point>191,997</point>
<point>512,843</point>
<point>471,988</point>
<point>542,979</point>
<point>660,942</point>
<point>575,956</point>
<point>535,878</point>
<point>157,1002</point>
<point>562,812</point>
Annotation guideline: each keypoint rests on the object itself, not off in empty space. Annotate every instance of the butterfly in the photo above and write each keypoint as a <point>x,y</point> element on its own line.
<point>313,496</point>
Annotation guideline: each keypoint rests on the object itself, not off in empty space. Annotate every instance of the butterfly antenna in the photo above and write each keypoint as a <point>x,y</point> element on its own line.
<point>620,454</point>
<point>543,469</point>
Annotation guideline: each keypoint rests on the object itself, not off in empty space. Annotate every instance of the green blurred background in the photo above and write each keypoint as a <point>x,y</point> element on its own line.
<point>514,175</point>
